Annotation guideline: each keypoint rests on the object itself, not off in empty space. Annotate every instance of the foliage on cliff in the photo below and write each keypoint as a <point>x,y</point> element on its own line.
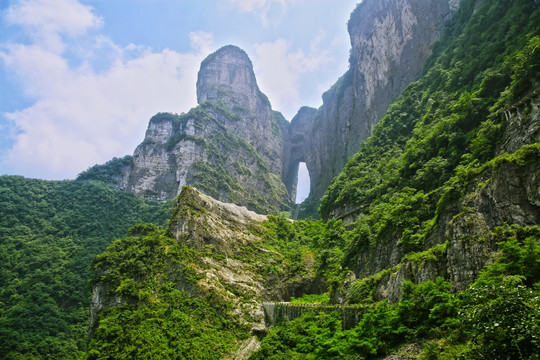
<point>496,318</point>
<point>107,173</point>
<point>161,314</point>
<point>434,143</point>
<point>49,233</point>
<point>447,121</point>
<point>228,177</point>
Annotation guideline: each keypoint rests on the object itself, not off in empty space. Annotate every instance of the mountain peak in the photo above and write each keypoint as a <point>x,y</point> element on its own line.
<point>227,75</point>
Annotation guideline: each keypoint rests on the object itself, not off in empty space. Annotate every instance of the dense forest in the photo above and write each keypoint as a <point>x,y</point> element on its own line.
<point>441,138</point>
<point>50,232</point>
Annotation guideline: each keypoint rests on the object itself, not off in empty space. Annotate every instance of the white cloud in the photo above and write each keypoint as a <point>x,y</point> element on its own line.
<point>47,20</point>
<point>82,116</point>
<point>201,42</point>
<point>279,70</point>
<point>61,16</point>
<point>261,8</point>
<point>258,5</point>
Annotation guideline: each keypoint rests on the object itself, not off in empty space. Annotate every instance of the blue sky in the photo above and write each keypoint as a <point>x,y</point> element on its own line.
<point>81,78</point>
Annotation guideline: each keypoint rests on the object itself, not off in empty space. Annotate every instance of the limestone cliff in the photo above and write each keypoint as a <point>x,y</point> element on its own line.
<point>390,41</point>
<point>295,150</point>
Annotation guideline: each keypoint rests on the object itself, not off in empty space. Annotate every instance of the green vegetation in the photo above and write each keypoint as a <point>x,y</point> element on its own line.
<point>445,125</point>
<point>162,315</point>
<point>496,318</point>
<point>49,233</point>
<point>309,248</point>
<point>312,299</point>
<point>437,143</point>
<point>109,172</point>
<point>218,176</point>
<point>310,209</point>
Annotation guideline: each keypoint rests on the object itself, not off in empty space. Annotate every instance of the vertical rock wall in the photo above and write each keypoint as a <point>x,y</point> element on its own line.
<point>390,40</point>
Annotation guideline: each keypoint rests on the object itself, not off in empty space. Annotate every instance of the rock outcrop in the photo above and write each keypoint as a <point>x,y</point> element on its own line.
<point>230,146</point>
<point>463,240</point>
<point>295,149</point>
<point>390,42</point>
<point>227,76</point>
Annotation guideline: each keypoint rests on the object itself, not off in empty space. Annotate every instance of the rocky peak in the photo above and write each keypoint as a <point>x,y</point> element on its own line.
<point>228,75</point>
<point>229,147</point>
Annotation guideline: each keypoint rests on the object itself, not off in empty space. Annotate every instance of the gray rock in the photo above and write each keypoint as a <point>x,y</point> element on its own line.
<point>391,40</point>
<point>230,146</point>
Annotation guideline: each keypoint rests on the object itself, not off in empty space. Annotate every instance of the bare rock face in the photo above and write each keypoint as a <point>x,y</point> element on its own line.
<point>295,150</point>
<point>523,123</point>
<point>227,76</point>
<point>391,40</point>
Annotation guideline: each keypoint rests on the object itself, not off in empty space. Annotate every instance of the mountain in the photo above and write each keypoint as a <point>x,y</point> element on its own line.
<point>390,43</point>
<point>229,146</point>
<point>431,238</point>
<point>429,247</point>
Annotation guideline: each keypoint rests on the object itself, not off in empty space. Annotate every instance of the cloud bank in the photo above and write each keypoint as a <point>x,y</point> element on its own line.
<point>287,67</point>
<point>80,115</point>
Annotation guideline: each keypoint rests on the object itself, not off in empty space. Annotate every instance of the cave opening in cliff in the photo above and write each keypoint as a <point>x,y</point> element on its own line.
<point>303,184</point>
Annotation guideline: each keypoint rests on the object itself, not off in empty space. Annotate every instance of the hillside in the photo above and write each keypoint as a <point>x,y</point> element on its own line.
<point>50,231</point>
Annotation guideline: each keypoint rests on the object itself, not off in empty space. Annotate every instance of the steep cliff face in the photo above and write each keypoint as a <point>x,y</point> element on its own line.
<point>464,239</point>
<point>230,146</point>
<point>391,40</point>
<point>227,76</point>
<point>295,150</point>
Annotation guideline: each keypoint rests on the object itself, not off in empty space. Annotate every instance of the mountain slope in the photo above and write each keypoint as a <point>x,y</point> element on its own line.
<point>49,233</point>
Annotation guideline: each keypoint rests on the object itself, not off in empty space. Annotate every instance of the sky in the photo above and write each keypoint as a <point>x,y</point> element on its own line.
<point>79,79</point>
